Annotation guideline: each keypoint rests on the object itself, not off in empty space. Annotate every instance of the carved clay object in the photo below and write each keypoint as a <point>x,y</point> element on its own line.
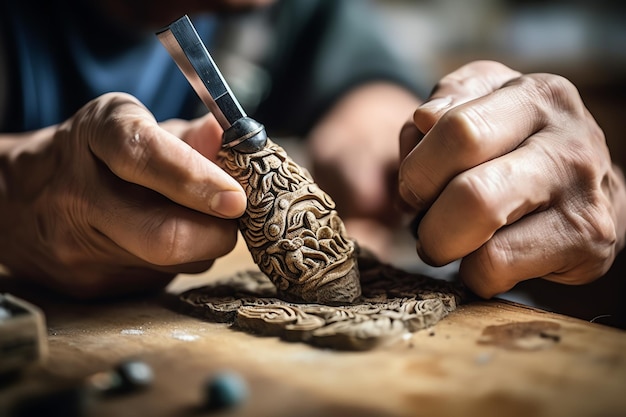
<point>393,303</point>
<point>292,229</point>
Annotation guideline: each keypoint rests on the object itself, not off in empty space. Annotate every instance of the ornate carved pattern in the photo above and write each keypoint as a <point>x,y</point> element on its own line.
<point>291,228</point>
<point>393,303</point>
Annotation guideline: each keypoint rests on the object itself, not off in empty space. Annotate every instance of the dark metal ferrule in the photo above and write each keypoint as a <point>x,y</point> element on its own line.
<point>245,135</point>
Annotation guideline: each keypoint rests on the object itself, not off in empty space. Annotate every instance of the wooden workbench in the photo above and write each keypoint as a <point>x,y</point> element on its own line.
<point>493,358</point>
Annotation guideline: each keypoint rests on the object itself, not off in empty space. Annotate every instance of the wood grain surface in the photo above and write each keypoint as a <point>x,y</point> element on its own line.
<point>487,358</point>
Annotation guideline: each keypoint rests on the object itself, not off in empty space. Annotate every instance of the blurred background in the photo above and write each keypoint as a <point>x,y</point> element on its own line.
<point>585,41</point>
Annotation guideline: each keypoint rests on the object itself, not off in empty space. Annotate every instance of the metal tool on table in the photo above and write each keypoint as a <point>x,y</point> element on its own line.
<point>23,338</point>
<point>186,48</point>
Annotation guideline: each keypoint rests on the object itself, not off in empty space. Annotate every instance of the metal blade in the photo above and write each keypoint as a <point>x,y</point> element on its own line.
<point>186,48</point>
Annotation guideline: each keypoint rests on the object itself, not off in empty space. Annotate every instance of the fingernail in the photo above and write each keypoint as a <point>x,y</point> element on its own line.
<point>229,203</point>
<point>437,104</point>
<point>418,245</point>
<point>408,195</point>
<point>421,254</point>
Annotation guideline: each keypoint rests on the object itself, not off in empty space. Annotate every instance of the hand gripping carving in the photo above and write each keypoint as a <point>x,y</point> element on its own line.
<point>291,228</point>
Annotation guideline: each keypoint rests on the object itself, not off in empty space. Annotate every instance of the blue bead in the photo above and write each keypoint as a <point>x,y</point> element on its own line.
<point>225,390</point>
<point>135,374</point>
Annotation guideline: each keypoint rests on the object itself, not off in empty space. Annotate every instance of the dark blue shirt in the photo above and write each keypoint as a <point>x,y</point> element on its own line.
<point>62,53</point>
<point>61,57</point>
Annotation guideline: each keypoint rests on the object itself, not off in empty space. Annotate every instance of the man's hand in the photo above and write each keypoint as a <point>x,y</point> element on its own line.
<point>513,176</point>
<point>111,202</point>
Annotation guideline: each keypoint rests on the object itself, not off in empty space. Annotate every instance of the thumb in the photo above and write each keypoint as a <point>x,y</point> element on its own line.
<point>135,148</point>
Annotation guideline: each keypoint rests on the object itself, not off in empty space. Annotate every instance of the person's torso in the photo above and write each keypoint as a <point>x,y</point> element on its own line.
<point>57,61</point>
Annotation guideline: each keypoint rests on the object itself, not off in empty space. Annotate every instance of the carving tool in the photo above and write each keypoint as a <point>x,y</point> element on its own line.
<point>186,48</point>
<point>291,228</point>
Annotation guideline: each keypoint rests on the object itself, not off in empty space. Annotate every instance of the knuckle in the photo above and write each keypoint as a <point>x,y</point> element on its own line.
<point>476,78</point>
<point>587,155</point>
<point>596,231</point>
<point>583,162</point>
<point>590,243</point>
<point>479,203</point>
<point>136,146</point>
<point>107,107</point>
<point>167,243</point>
<point>119,133</point>
<point>479,199</point>
<point>115,104</point>
<point>488,270</point>
<point>597,141</point>
<point>582,273</point>
<point>175,242</point>
<point>488,66</point>
<point>553,91</point>
<point>464,130</point>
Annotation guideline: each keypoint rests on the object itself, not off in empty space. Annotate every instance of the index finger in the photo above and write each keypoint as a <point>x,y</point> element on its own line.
<point>465,136</point>
<point>467,83</point>
<point>137,150</point>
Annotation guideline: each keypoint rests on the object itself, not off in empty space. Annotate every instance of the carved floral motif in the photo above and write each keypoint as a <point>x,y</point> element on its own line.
<point>291,228</point>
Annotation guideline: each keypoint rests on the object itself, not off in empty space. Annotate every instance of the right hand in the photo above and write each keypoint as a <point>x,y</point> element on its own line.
<point>111,202</point>
<point>514,177</point>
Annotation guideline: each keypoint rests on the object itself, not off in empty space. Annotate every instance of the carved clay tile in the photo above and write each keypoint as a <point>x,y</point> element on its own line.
<point>378,317</point>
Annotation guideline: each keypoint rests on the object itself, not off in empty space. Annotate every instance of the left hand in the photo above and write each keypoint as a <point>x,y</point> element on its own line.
<point>514,177</point>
